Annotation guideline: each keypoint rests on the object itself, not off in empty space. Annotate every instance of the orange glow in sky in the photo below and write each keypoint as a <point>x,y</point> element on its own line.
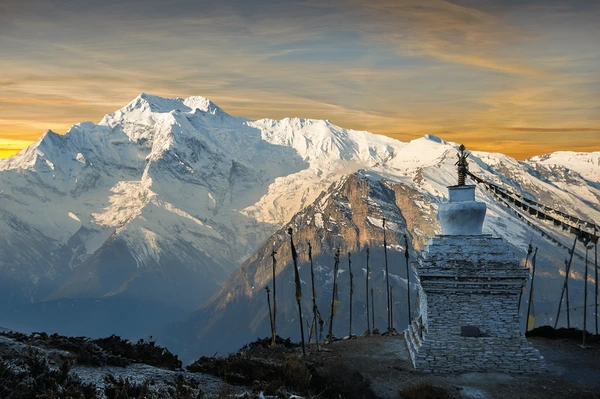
<point>517,77</point>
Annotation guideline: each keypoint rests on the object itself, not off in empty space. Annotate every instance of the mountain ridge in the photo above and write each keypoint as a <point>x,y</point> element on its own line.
<point>186,191</point>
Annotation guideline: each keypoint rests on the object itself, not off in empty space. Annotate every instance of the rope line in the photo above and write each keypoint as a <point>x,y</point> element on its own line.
<point>533,209</point>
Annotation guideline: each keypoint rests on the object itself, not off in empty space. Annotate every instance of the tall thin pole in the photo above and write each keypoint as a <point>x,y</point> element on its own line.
<point>335,289</point>
<point>567,294</point>
<point>407,277</point>
<point>270,313</point>
<point>298,287</point>
<point>566,287</point>
<point>314,293</point>
<point>596,274</point>
<point>585,285</point>
<point>274,339</point>
<point>387,277</point>
<point>529,250</point>
<point>351,292</point>
<point>391,308</point>
<point>373,309</point>
<point>367,285</point>
<point>531,291</point>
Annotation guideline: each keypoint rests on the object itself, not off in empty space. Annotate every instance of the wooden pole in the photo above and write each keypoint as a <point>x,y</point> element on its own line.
<point>334,292</point>
<point>373,309</point>
<point>311,328</point>
<point>387,277</point>
<point>367,285</point>
<point>270,314</point>
<point>351,291</point>
<point>566,287</point>
<point>596,275</point>
<point>391,308</point>
<point>314,294</point>
<point>298,287</point>
<point>529,250</point>
<point>301,328</point>
<point>273,341</point>
<point>407,277</point>
<point>531,290</point>
<point>567,294</point>
<point>585,291</point>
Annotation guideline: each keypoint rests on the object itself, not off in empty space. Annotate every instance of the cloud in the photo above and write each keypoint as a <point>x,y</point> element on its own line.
<point>479,69</point>
<point>447,32</point>
<point>55,100</point>
<point>552,130</point>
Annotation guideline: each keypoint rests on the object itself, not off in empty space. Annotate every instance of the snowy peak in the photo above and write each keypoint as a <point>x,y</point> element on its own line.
<point>150,118</point>
<point>38,154</point>
<point>159,105</point>
<point>323,144</point>
<point>586,164</point>
<point>422,152</point>
<point>178,188</point>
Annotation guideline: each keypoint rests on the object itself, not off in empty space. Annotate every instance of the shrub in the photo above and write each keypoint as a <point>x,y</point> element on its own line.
<point>184,389</point>
<point>30,377</point>
<point>424,390</point>
<point>296,375</point>
<point>146,352</point>
<point>337,380</point>
<point>237,369</point>
<point>124,388</point>
<point>113,350</point>
<point>287,374</point>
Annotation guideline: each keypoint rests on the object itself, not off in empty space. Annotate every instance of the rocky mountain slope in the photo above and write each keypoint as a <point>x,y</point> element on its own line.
<point>349,216</point>
<point>125,225</point>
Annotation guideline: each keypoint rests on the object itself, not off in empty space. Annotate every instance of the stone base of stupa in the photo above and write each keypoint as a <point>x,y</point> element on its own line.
<point>468,299</point>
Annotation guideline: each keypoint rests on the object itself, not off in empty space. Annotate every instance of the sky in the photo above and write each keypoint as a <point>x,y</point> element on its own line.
<point>515,76</point>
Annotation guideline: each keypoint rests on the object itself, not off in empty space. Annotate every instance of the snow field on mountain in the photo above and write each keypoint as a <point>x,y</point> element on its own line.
<point>182,173</point>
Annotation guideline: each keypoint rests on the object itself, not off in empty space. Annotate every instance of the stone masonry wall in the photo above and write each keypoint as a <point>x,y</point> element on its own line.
<point>474,282</point>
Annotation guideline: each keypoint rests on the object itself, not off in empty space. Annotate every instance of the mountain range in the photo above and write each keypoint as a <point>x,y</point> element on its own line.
<point>162,218</point>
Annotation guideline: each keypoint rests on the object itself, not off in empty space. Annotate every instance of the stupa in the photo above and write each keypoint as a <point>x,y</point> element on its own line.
<point>469,285</point>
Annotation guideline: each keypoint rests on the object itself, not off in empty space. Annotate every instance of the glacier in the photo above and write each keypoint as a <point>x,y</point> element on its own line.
<point>146,214</point>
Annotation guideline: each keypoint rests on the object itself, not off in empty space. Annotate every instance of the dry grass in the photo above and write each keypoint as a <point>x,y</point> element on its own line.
<point>424,390</point>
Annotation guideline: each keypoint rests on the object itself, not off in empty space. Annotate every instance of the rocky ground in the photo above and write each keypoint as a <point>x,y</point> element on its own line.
<point>374,367</point>
<point>572,372</point>
<point>38,361</point>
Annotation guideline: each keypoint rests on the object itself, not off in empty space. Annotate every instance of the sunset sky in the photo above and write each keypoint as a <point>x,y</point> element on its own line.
<point>519,77</point>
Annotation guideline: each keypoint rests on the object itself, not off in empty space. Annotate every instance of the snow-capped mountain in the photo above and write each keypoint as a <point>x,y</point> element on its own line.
<point>148,211</point>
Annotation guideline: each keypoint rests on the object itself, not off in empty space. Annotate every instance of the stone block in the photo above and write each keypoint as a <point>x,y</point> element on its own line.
<point>470,281</point>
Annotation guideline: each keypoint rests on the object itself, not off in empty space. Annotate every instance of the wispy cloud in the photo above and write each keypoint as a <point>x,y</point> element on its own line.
<point>54,100</point>
<point>480,69</point>
<point>552,130</point>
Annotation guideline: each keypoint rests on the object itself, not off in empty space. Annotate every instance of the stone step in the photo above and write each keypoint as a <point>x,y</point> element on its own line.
<point>414,331</point>
<point>472,256</point>
<point>454,274</point>
<point>455,283</point>
<point>474,290</point>
<point>472,240</point>
<point>485,254</point>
